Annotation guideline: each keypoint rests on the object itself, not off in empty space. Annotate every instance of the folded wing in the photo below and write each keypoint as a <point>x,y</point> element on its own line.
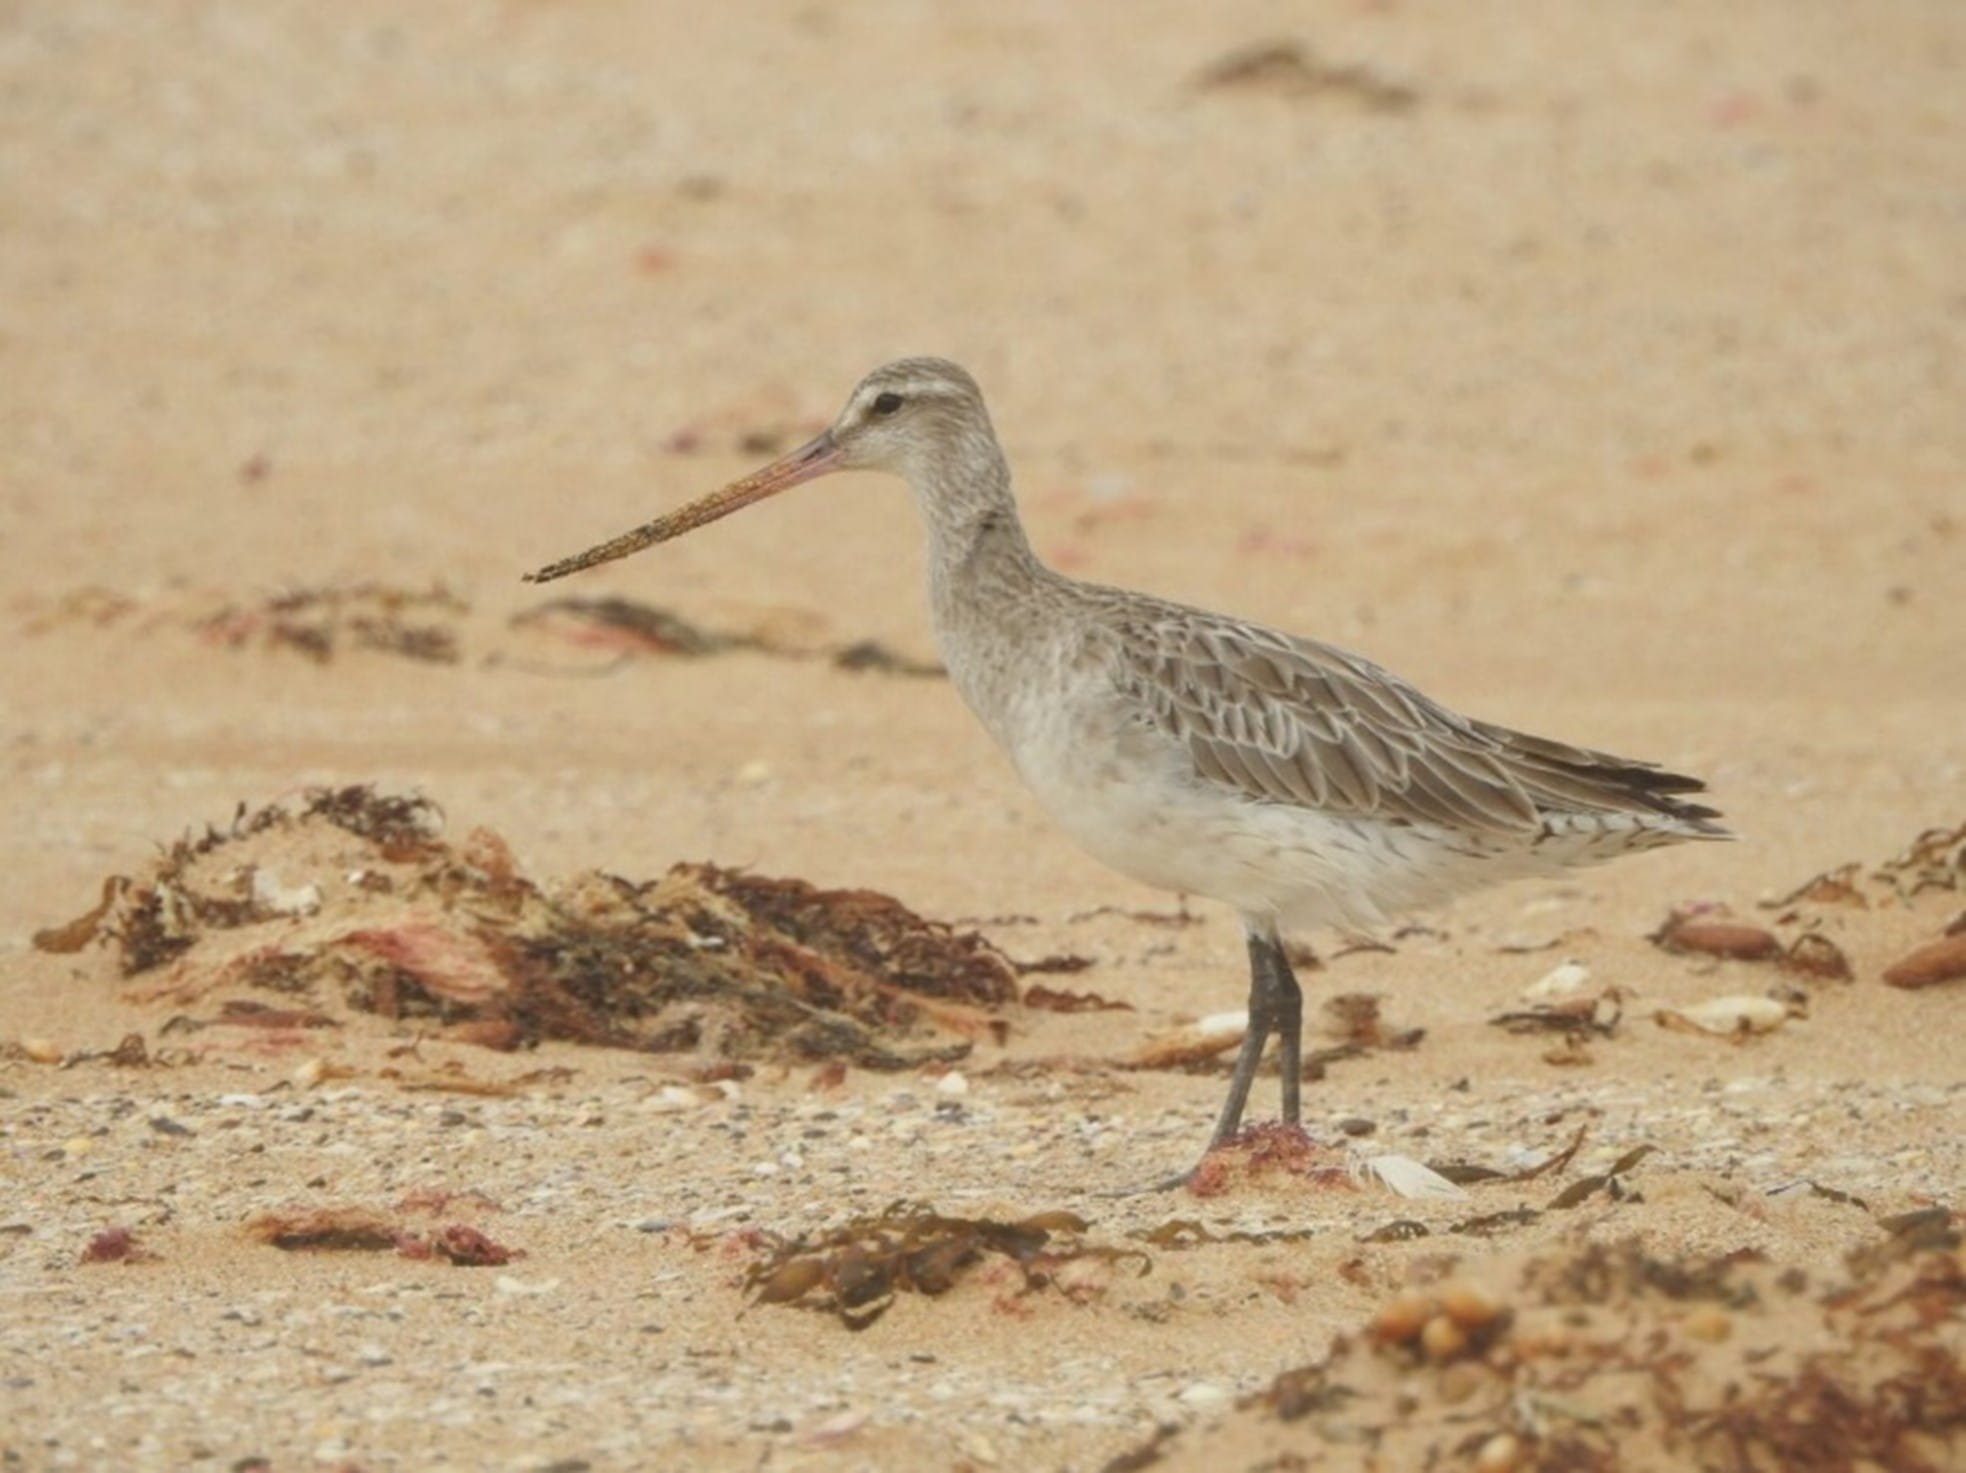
<point>1288,720</point>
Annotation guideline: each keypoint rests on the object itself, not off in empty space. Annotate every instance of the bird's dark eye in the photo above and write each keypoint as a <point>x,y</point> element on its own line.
<point>886,403</point>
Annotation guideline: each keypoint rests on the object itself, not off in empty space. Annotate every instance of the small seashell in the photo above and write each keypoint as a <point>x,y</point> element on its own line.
<point>673,1099</point>
<point>835,1428</point>
<point>791,1280</point>
<point>1411,1179</point>
<point>1462,1380</point>
<point>1814,955</point>
<point>501,1034</point>
<point>953,1083</point>
<point>1710,1323</point>
<point>1223,1025</point>
<point>1532,1344</point>
<point>1732,1017</point>
<point>270,895</point>
<point>1559,981</point>
<point>512,1284</point>
<point>1441,1339</point>
<point>1203,1039</point>
<point>1402,1319</point>
<point>1469,1305</point>
<point>1736,940</point>
<point>310,1073</point>
<point>1928,965</point>
<point>41,1050</point>
<point>1502,1453</point>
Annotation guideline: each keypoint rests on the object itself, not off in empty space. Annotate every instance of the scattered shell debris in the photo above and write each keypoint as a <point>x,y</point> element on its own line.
<point>1576,1016</point>
<point>1737,1016</point>
<point>279,929</point>
<point>1355,1019</point>
<point>1932,865</point>
<point>1603,1356</point>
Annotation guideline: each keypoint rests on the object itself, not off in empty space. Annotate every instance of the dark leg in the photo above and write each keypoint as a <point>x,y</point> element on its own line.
<point>1289,1024</point>
<point>1276,1005</point>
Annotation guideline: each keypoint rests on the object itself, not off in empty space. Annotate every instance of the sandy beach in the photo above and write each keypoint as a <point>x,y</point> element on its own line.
<point>1599,369</point>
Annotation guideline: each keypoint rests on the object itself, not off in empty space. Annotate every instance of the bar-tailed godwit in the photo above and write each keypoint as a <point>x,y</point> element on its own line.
<point>1198,753</point>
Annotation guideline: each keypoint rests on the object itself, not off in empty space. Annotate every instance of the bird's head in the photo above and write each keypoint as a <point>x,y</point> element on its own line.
<point>908,418</point>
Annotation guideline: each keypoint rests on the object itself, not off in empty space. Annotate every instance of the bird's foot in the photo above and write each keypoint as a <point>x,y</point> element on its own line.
<point>1172,1183</point>
<point>1254,1150</point>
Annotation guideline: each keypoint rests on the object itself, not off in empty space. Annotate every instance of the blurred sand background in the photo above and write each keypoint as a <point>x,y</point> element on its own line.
<point>1597,367</point>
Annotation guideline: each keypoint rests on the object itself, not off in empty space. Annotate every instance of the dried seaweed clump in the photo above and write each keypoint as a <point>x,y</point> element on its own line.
<point>1290,69</point>
<point>624,626</point>
<point>354,897</point>
<point>323,622</point>
<point>353,1229</point>
<point>1935,860</point>
<point>742,966</point>
<point>873,932</point>
<point>856,1270</point>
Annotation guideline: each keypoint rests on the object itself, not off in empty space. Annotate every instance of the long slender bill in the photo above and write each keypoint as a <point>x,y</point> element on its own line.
<point>813,459</point>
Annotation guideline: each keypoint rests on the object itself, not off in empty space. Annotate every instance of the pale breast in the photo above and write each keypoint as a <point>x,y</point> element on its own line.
<point>1116,784</point>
